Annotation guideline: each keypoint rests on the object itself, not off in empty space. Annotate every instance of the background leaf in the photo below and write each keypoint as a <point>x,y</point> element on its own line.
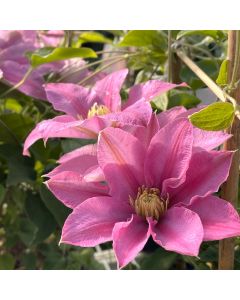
<point>7,262</point>
<point>57,209</point>
<point>40,216</point>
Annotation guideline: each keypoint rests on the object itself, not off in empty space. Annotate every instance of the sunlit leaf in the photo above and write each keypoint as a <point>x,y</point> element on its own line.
<point>161,101</point>
<point>142,38</point>
<point>223,73</point>
<point>217,116</point>
<point>48,55</point>
<point>94,37</point>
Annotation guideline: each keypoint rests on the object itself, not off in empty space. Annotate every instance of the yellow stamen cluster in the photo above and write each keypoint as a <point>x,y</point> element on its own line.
<point>98,110</point>
<point>149,203</point>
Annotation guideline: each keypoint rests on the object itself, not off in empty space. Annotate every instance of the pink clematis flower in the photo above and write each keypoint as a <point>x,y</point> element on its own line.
<point>164,191</point>
<point>87,111</point>
<point>81,164</point>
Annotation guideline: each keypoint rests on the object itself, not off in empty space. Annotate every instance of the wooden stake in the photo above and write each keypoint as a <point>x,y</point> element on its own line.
<point>230,187</point>
<point>174,63</point>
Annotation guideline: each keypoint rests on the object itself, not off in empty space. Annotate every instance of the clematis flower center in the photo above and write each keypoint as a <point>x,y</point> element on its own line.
<point>98,110</point>
<point>149,203</point>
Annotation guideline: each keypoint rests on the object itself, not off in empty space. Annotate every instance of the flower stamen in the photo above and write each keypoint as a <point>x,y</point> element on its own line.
<point>149,203</point>
<point>98,110</point>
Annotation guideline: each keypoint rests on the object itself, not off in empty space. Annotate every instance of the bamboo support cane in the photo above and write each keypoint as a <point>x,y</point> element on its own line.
<point>230,187</point>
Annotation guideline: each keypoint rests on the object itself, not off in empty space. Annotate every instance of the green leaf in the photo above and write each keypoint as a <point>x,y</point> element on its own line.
<point>14,127</point>
<point>83,259</point>
<point>161,101</point>
<point>210,254</point>
<point>29,261</point>
<point>217,116</point>
<point>12,105</point>
<point>72,144</point>
<point>20,168</point>
<point>94,37</point>
<point>141,38</point>
<point>183,99</point>
<point>27,231</point>
<point>48,55</point>
<point>2,193</point>
<point>215,34</point>
<point>223,73</point>
<point>159,260</point>
<point>40,216</point>
<point>7,262</point>
<point>58,210</point>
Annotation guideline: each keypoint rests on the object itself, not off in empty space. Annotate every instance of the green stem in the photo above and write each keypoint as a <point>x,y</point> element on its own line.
<point>105,67</point>
<point>89,65</point>
<point>113,51</point>
<point>99,70</point>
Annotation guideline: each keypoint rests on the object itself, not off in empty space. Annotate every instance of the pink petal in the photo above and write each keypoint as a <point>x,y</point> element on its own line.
<point>52,38</point>
<point>144,133</point>
<point>207,171</point>
<point>121,157</point>
<point>169,154</point>
<point>13,72</point>
<point>94,174</point>
<point>149,90</point>
<point>209,140</point>
<point>56,127</point>
<point>170,115</point>
<point>63,126</point>
<point>79,161</point>
<point>138,114</point>
<point>85,150</point>
<point>17,53</point>
<point>141,110</point>
<point>205,139</point>
<point>71,189</point>
<point>219,218</point>
<point>92,222</point>
<point>9,38</point>
<point>179,230</point>
<point>129,238</point>
<point>69,98</point>
<point>108,89</point>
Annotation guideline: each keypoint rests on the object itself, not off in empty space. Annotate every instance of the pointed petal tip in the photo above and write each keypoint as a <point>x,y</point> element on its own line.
<point>26,152</point>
